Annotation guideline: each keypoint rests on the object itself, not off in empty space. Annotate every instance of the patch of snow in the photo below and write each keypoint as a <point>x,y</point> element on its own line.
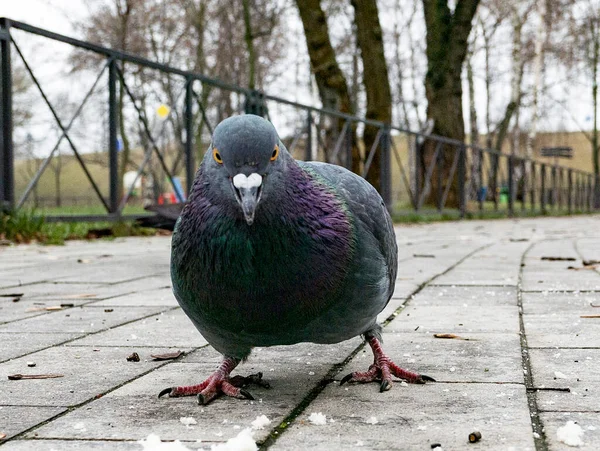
<point>317,418</point>
<point>79,426</point>
<point>241,442</point>
<point>559,375</point>
<point>570,434</point>
<point>188,421</point>
<point>260,422</point>
<point>153,443</point>
<point>372,420</point>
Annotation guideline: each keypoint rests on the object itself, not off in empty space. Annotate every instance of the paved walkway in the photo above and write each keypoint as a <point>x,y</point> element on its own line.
<point>526,360</point>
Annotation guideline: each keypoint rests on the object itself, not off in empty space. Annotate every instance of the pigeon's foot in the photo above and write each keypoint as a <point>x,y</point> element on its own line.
<point>382,370</point>
<point>218,383</point>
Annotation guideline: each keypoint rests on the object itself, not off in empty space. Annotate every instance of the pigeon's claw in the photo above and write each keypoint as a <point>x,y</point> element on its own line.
<point>166,391</point>
<point>220,382</point>
<point>383,369</point>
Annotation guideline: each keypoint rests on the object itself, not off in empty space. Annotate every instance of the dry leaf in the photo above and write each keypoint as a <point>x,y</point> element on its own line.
<point>167,356</point>
<point>2,435</point>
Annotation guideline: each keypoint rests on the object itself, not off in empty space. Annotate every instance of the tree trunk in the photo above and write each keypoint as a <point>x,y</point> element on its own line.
<point>375,79</point>
<point>447,44</point>
<point>331,82</point>
<point>594,33</point>
<point>249,39</point>
<point>475,179</point>
<point>540,37</point>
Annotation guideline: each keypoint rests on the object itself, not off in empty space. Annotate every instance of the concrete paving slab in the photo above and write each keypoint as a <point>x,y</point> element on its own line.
<point>560,303</point>
<point>555,330</point>
<point>167,329</point>
<point>589,423</point>
<point>16,344</point>
<point>77,445</point>
<point>86,319</point>
<point>133,411</point>
<point>485,357</point>
<point>17,419</point>
<point>461,296</point>
<point>413,417</point>
<point>576,369</point>
<point>87,372</point>
<point>157,296</point>
<point>458,320</point>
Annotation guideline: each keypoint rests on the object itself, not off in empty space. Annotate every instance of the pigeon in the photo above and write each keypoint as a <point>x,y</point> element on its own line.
<point>273,251</point>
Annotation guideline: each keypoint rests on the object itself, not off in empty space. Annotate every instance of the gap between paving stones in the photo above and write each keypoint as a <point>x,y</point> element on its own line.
<point>539,436</point>
<point>280,429</point>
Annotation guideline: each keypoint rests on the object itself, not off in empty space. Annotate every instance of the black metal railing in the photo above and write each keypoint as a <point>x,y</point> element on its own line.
<point>415,171</point>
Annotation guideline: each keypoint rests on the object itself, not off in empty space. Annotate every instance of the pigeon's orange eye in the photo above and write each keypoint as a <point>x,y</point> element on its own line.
<point>217,156</point>
<point>275,153</point>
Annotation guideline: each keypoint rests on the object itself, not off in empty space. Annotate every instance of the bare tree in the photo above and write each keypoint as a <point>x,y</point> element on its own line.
<point>331,82</point>
<point>447,42</point>
<point>375,78</point>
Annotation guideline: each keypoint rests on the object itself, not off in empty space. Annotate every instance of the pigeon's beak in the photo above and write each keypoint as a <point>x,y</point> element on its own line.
<point>247,192</point>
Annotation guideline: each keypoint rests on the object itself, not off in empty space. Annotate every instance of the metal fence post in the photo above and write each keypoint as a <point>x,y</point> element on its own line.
<point>7,180</point>
<point>590,193</point>
<point>349,143</point>
<point>113,157</point>
<point>385,167</point>
<point>554,187</point>
<point>308,147</point>
<point>462,200</point>
<point>255,103</point>
<point>496,159</point>
<point>189,134</point>
<point>532,190</point>
<point>543,188</point>
<point>439,163</point>
<point>480,192</point>
<point>524,182</point>
<point>596,191</point>
<point>511,187</point>
<point>570,191</point>
<point>418,170</point>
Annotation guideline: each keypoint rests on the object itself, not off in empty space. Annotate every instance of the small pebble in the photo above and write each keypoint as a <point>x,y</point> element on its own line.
<point>31,364</point>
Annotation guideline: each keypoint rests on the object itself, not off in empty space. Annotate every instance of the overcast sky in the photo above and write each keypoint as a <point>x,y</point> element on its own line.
<point>53,15</point>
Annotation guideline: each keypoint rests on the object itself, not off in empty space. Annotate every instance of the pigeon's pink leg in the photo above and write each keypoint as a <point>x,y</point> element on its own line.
<point>218,382</point>
<point>382,370</point>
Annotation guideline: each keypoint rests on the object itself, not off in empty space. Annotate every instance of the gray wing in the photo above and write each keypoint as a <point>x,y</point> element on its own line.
<point>368,210</point>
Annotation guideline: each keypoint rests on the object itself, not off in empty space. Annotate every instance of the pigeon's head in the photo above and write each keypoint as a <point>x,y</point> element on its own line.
<point>245,161</point>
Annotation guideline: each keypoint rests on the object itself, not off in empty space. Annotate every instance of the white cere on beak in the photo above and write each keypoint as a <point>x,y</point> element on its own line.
<point>240,181</point>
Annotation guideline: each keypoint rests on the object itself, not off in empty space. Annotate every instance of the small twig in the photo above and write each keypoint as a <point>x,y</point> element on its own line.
<point>589,316</point>
<point>562,389</point>
<point>17,377</point>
